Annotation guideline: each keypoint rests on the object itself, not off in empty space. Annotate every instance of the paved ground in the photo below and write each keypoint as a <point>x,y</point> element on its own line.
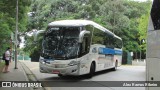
<point>14,75</point>
<point>124,73</point>
<point>30,71</point>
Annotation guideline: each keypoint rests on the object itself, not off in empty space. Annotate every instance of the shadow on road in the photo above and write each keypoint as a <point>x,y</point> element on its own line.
<point>77,78</point>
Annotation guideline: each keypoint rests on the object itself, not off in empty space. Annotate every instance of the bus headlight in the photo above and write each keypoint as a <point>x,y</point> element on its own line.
<point>41,60</point>
<point>72,63</point>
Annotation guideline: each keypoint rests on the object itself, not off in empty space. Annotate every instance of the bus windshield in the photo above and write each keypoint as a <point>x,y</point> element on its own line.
<point>61,43</point>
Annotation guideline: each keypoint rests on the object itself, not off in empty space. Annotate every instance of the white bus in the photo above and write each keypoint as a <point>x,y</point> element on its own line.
<point>153,46</point>
<point>77,47</point>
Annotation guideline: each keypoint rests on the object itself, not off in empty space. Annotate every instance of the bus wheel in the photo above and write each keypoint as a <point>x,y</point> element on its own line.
<point>115,67</point>
<point>60,75</point>
<point>92,70</point>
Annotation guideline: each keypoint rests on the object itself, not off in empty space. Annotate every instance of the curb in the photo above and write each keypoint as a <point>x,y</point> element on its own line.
<point>30,76</point>
<point>24,73</point>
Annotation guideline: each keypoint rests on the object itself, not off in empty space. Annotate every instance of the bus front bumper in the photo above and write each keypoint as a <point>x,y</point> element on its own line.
<point>68,70</point>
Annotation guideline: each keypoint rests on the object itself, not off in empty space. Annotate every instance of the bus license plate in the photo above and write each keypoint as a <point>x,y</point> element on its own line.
<point>55,72</point>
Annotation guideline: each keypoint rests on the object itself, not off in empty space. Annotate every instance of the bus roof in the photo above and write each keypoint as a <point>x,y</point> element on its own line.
<point>117,37</point>
<point>81,23</point>
<point>70,23</point>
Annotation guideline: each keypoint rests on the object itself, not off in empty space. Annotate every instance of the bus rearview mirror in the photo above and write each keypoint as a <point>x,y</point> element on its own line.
<point>81,35</point>
<point>36,33</point>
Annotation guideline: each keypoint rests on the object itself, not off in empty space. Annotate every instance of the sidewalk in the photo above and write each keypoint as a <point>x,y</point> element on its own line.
<point>14,75</point>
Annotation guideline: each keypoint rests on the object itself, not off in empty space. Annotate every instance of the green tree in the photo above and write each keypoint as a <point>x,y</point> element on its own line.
<point>7,20</point>
<point>123,17</point>
<point>143,27</point>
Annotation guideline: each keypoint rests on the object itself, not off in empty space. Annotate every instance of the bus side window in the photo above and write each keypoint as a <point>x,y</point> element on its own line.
<point>109,41</point>
<point>117,43</point>
<point>94,50</point>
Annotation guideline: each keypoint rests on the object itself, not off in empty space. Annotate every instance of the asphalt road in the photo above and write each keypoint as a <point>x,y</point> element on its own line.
<point>124,73</point>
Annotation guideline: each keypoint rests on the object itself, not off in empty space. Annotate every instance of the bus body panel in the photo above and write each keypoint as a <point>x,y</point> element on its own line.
<point>84,64</point>
<point>60,66</point>
<point>105,61</point>
<point>119,59</point>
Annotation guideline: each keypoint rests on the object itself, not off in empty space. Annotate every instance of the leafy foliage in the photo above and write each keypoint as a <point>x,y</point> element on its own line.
<point>7,20</point>
<point>127,19</point>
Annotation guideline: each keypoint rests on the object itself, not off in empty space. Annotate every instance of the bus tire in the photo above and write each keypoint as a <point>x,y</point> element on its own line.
<point>116,65</point>
<point>92,70</point>
<point>60,75</point>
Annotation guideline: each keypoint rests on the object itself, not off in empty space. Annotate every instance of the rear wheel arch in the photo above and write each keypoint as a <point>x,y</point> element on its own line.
<point>115,65</point>
<point>92,69</point>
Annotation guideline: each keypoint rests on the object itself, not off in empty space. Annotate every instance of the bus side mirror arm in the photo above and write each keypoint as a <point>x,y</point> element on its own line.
<point>81,35</point>
<point>35,35</point>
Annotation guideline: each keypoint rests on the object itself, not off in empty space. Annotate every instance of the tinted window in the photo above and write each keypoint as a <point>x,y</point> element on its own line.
<point>117,43</point>
<point>98,37</point>
<point>94,50</point>
<point>109,41</point>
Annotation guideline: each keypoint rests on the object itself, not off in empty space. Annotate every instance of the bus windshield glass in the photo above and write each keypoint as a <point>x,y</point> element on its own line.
<point>61,43</point>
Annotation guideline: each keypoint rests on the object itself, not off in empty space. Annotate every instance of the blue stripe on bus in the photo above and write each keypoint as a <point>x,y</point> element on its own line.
<point>109,51</point>
<point>118,52</point>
